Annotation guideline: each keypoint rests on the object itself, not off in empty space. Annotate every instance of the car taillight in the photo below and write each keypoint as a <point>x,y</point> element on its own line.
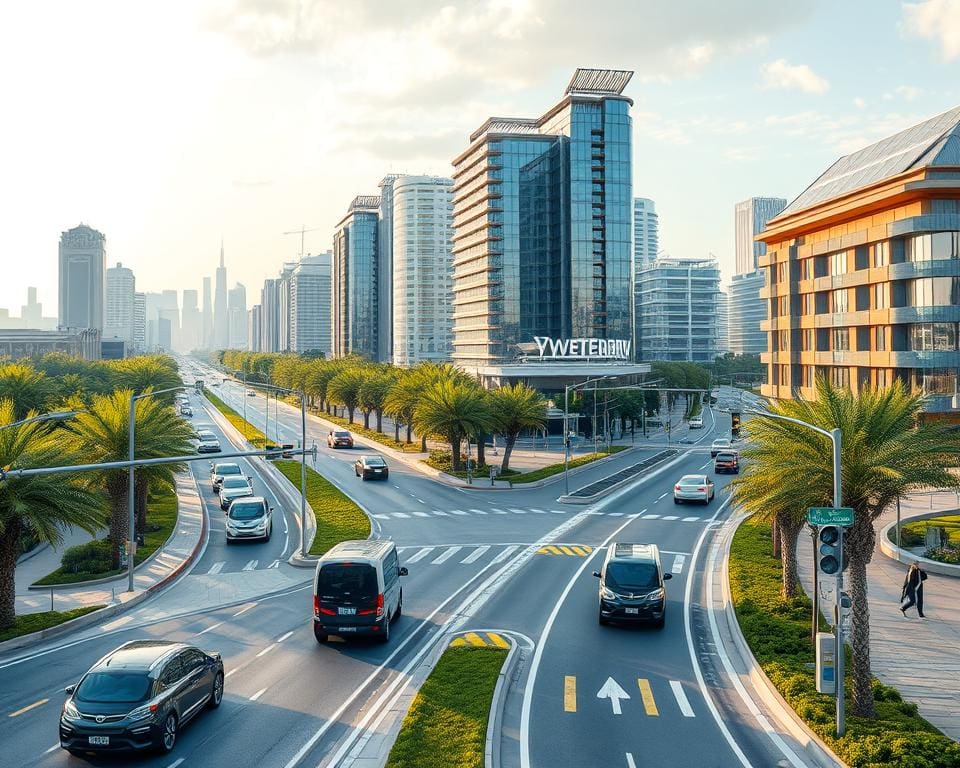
<point>319,609</point>
<point>701,489</point>
<point>316,605</point>
<point>380,605</point>
<point>677,488</point>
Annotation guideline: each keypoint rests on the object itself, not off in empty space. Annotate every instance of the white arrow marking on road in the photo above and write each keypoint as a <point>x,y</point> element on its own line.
<point>612,690</point>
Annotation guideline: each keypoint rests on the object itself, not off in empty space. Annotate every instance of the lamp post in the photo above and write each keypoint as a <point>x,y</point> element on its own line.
<point>566,430</point>
<point>131,518</point>
<point>836,438</point>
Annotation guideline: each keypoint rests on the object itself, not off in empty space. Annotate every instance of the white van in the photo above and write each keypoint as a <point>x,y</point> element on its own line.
<point>356,590</point>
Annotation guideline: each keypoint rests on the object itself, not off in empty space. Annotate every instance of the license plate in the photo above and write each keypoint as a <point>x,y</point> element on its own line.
<point>347,611</point>
<point>98,741</point>
<point>348,629</point>
<point>378,471</point>
<point>631,610</point>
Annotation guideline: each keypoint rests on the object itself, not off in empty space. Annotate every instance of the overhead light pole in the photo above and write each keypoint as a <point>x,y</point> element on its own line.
<point>566,430</point>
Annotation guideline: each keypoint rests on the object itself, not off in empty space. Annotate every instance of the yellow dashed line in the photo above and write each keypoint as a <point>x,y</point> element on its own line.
<point>29,707</point>
<point>570,693</point>
<point>647,695</point>
<point>474,639</point>
<point>497,640</point>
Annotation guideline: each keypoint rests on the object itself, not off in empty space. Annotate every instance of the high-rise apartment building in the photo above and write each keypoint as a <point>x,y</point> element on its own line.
<point>152,304</point>
<point>678,310</point>
<point>542,225</point>
<point>83,264</point>
<point>283,305</point>
<point>723,323</point>
<point>169,315</point>
<point>118,315</point>
<point>221,310</point>
<point>750,218</point>
<point>253,329</point>
<point>646,231</point>
<point>310,312</point>
<point>191,321</point>
<point>269,316</point>
<point>863,272</point>
<point>139,323</point>
<point>206,339</point>
<point>237,317</point>
<point>355,289</point>
<point>385,282</point>
<point>31,313</point>
<point>420,240</point>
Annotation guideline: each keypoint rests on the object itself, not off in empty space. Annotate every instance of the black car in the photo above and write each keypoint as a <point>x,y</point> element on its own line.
<point>632,585</point>
<point>371,467</point>
<point>139,696</point>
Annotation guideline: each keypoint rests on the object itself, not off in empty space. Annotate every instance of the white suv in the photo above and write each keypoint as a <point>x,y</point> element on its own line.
<point>719,445</point>
<point>696,422</point>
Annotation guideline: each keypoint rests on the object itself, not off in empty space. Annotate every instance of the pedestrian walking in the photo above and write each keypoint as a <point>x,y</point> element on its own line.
<point>913,590</point>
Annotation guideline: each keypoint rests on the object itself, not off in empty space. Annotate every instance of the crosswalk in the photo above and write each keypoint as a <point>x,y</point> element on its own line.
<point>250,565</point>
<point>412,515</point>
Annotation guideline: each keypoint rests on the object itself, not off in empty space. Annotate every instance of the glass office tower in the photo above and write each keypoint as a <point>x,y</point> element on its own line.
<point>542,225</point>
<point>355,316</point>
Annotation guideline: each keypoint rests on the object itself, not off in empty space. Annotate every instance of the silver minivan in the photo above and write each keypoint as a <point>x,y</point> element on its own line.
<point>356,590</point>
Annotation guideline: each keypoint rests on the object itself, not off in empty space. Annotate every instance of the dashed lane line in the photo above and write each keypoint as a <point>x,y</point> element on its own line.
<point>504,554</point>
<point>459,512</point>
<point>27,708</point>
<point>570,693</point>
<point>446,555</point>
<point>681,697</point>
<point>258,694</point>
<point>266,650</point>
<point>284,637</point>
<point>210,628</point>
<point>662,495</point>
<point>244,609</point>
<point>476,554</point>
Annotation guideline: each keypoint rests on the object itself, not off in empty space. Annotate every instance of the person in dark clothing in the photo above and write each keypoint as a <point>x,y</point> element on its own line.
<point>913,590</point>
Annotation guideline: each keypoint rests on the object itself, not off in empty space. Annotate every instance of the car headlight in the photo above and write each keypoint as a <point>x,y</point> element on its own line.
<point>70,711</point>
<point>142,713</point>
<point>655,595</point>
<point>606,594</point>
<point>262,524</point>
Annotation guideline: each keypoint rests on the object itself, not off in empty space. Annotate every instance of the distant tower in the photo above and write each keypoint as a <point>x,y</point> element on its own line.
<point>221,317</point>
<point>206,337</point>
<point>83,268</point>
<point>118,321</point>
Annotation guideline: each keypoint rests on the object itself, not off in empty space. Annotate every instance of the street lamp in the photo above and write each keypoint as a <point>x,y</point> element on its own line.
<point>53,416</point>
<point>566,431</point>
<point>131,518</point>
<point>836,437</point>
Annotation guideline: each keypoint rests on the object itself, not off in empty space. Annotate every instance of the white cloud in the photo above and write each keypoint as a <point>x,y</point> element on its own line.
<point>907,92</point>
<point>740,154</point>
<point>935,20</point>
<point>859,103</point>
<point>781,75</point>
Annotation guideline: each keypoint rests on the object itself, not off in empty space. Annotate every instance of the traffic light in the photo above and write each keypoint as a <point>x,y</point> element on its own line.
<point>735,423</point>
<point>829,554</point>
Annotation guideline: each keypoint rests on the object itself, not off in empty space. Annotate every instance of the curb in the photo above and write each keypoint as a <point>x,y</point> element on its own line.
<point>35,551</point>
<point>894,552</point>
<point>491,748</point>
<point>93,617</point>
<point>616,486</point>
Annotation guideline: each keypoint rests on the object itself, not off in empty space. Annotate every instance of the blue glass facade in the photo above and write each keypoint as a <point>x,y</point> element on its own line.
<point>355,291</point>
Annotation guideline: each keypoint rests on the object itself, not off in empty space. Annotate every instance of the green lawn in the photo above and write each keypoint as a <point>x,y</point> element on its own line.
<point>249,432</point>
<point>777,631</point>
<point>161,520</point>
<point>516,476</point>
<point>918,529</point>
<point>447,723</point>
<point>34,622</point>
<point>338,517</point>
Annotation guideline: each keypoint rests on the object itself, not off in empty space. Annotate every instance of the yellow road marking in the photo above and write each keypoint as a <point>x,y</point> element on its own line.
<point>474,639</point>
<point>29,707</point>
<point>647,695</point>
<point>579,550</point>
<point>458,642</point>
<point>497,640</point>
<point>567,550</point>
<point>570,693</point>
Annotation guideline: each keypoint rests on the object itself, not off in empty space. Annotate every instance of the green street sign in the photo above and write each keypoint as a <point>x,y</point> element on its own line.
<point>830,515</point>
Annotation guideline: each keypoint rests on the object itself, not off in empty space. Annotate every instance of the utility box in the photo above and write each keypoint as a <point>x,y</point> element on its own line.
<point>826,663</point>
<point>935,537</point>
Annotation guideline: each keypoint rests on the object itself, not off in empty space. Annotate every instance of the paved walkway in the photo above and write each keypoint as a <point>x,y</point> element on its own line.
<point>167,562</point>
<point>918,657</point>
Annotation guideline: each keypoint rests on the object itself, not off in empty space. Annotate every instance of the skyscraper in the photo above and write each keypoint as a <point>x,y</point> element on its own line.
<point>385,285</point>
<point>139,323</point>
<point>206,339</point>
<point>269,316</point>
<point>355,285</point>
<point>191,322</point>
<point>723,323</point>
<point>237,317</point>
<point>253,329</point>
<point>118,323</point>
<point>152,304</point>
<point>221,317</point>
<point>542,224</point>
<point>421,233</point>
<point>310,304</point>
<point>750,219</point>
<point>169,312</point>
<point>31,313</point>
<point>646,231</point>
<point>283,306</point>
<point>83,263</point>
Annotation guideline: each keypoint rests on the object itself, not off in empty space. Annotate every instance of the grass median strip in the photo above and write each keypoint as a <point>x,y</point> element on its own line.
<point>778,632</point>
<point>27,623</point>
<point>447,723</point>
<point>249,432</point>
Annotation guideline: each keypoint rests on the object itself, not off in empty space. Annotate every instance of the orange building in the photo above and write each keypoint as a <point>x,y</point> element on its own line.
<point>862,271</point>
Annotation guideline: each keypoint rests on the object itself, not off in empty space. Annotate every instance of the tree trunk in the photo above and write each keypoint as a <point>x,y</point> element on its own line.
<point>409,426</point>
<point>140,502</point>
<point>423,443</point>
<point>858,543</point>
<point>455,452</point>
<point>775,533</point>
<point>119,516</point>
<point>366,419</point>
<point>789,531</point>
<point>396,431</point>
<point>481,455</point>
<point>379,420</point>
<point>509,440</point>
<point>9,550</point>
<point>350,411</point>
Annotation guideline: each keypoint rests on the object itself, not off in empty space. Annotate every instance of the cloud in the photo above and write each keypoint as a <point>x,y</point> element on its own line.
<point>859,103</point>
<point>741,154</point>
<point>780,75</point>
<point>935,20</point>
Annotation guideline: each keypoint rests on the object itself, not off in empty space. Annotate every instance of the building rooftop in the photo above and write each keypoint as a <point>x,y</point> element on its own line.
<point>365,202</point>
<point>934,142</point>
<point>599,81</point>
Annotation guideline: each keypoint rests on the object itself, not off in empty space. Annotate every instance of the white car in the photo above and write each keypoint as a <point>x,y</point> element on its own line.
<point>234,487</point>
<point>696,422</point>
<point>693,488</point>
<point>719,445</point>
<point>249,518</point>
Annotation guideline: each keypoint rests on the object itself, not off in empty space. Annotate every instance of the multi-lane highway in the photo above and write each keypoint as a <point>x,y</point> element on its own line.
<point>515,560</point>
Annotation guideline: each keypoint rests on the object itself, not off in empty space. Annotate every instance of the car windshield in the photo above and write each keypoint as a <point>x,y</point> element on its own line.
<point>246,510</point>
<point>205,435</point>
<point>339,579</point>
<point>726,457</point>
<point>623,576</point>
<point>228,469</point>
<point>341,434</point>
<point>235,482</point>
<point>114,687</point>
<point>693,480</point>
<point>374,461</point>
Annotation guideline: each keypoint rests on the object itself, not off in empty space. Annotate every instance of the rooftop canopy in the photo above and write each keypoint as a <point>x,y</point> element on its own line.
<point>599,81</point>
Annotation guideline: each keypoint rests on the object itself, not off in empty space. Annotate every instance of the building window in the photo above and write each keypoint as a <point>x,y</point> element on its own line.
<point>881,296</point>
<point>882,338</point>
<point>808,304</point>
<point>808,269</point>
<point>806,374</point>
<point>840,377</point>
<point>807,340</point>
<point>933,291</point>
<point>933,337</point>
<point>881,253</point>
<point>937,245</point>
<point>840,300</point>
<point>939,381</point>
<point>838,263</point>
<point>841,339</point>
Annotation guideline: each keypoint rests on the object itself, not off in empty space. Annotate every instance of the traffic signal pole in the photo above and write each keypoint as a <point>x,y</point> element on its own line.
<point>837,436</point>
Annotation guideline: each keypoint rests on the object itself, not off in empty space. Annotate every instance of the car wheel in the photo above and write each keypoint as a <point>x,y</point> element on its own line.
<point>321,636</point>
<point>356,473</point>
<point>216,695</point>
<point>269,533</point>
<point>77,753</point>
<point>676,500</point>
<point>168,735</point>
<point>600,620</point>
<point>660,624</point>
<point>385,635</point>
<point>363,477</point>
<point>399,607</point>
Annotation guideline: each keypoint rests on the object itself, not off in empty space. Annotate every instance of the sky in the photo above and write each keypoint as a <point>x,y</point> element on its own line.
<point>172,125</point>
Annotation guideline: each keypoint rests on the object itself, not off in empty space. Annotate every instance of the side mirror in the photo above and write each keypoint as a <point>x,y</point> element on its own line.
<point>667,576</point>
<point>70,689</point>
<point>404,571</point>
<point>271,509</point>
<point>249,478</point>
<point>597,574</point>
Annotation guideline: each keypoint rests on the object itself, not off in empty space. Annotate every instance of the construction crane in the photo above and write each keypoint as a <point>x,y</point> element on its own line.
<point>302,231</point>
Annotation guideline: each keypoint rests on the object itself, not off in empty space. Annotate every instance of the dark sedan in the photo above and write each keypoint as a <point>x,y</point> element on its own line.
<point>139,696</point>
<point>371,468</point>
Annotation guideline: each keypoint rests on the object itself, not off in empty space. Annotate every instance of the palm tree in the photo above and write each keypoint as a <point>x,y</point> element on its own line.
<point>887,451</point>
<point>344,389</point>
<point>373,397</point>
<point>101,434</point>
<point>27,388</point>
<point>514,409</point>
<point>41,506</point>
<point>452,410</point>
<point>401,401</point>
<point>154,372</point>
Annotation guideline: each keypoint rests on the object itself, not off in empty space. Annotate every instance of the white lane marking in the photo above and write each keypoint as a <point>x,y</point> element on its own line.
<point>381,517</point>
<point>670,517</point>
<point>538,511</point>
<point>118,623</point>
<point>401,515</point>
<point>650,517</point>
<point>678,563</point>
<point>690,519</point>
<point>266,650</point>
<point>237,669</point>
<point>176,762</point>
<point>662,495</point>
<point>258,694</point>
<point>439,513</point>
<point>397,487</point>
<point>479,511</point>
<point>642,511</point>
<point>420,555</point>
<point>210,628</point>
<point>216,567</point>
<point>413,495</point>
<point>615,514</point>
<point>421,514</point>
<point>518,511</point>
<point>274,564</point>
<point>422,502</point>
<point>48,751</point>
<point>457,512</point>
<point>558,511</point>
<point>284,637</point>
<point>448,553</point>
<point>681,698</point>
<point>612,690</point>
<point>498,511</point>
<point>244,609</point>
<point>251,565</point>
<point>476,554</point>
<point>503,555</point>
<point>630,762</point>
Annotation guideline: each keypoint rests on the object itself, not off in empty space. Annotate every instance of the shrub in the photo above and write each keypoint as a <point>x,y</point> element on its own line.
<point>945,554</point>
<point>92,557</point>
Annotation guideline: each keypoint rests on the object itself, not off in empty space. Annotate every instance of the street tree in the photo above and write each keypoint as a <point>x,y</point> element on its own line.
<point>26,388</point>
<point>515,408</point>
<point>452,410</point>
<point>344,390</point>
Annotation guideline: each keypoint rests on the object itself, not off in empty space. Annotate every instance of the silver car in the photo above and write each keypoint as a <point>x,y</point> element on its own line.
<point>693,488</point>
<point>234,487</point>
<point>221,470</point>
<point>249,518</point>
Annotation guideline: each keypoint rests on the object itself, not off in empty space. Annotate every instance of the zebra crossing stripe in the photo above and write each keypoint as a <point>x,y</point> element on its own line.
<point>438,512</point>
<point>538,511</point>
<point>615,514</point>
<point>690,519</point>
<point>504,555</point>
<point>670,517</point>
<point>216,567</point>
<point>401,514</point>
<point>678,563</point>
<point>382,517</point>
<point>457,512</point>
<point>479,511</point>
<point>498,511</point>
<point>250,566</point>
<point>558,511</point>
<point>421,514</point>
<point>681,698</point>
<point>650,517</point>
<point>475,555</point>
<point>450,552</point>
<point>420,555</point>
<point>274,564</point>
<point>518,511</point>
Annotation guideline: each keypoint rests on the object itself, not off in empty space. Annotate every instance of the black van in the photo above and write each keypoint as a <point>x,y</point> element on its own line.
<point>632,585</point>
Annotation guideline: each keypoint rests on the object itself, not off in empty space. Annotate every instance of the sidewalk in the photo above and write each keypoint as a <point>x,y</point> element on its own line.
<point>918,657</point>
<point>166,563</point>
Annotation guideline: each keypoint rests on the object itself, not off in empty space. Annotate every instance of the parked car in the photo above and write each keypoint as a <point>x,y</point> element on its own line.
<point>251,393</point>
<point>718,445</point>
<point>727,462</point>
<point>693,488</point>
<point>234,487</point>
<point>139,696</point>
<point>696,422</point>
<point>339,438</point>
<point>249,518</point>
<point>186,410</point>
<point>632,584</point>
<point>221,470</point>
<point>367,467</point>
<point>210,445</point>
<point>356,590</point>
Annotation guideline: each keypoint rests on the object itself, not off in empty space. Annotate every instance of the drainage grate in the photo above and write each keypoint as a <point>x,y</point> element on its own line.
<point>624,474</point>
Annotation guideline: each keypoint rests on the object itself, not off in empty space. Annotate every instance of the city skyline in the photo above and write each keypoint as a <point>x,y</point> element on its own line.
<point>722,96</point>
